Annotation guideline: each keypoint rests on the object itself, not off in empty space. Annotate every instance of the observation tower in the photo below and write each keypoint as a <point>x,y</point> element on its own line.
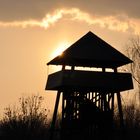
<point>88,96</point>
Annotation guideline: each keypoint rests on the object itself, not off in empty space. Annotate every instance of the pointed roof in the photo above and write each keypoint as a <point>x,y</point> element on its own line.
<point>91,51</point>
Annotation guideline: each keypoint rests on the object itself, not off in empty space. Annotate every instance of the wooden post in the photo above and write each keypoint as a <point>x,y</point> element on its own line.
<point>63,67</point>
<point>72,67</point>
<point>120,110</point>
<point>120,106</point>
<point>63,106</point>
<point>112,104</point>
<point>54,115</point>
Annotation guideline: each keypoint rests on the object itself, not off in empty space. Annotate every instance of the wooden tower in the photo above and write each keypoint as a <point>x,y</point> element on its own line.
<point>88,96</point>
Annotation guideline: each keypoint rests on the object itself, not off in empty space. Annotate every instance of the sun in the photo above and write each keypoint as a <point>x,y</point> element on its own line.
<point>60,48</point>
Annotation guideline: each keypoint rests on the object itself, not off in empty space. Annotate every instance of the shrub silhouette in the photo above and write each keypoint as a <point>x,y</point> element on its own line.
<point>28,121</point>
<point>131,115</point>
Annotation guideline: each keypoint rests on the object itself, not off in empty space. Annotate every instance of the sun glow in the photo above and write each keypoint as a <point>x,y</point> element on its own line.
<point>59,50</point>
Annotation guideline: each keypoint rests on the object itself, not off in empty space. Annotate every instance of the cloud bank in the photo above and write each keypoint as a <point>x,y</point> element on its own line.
<point>117,23</point>
<point>11,10</point>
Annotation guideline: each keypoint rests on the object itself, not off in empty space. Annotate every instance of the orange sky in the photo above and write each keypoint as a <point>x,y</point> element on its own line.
<point>30,32</point>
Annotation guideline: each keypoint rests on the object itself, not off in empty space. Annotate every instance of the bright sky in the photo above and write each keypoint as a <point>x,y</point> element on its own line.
<point>32,32</point>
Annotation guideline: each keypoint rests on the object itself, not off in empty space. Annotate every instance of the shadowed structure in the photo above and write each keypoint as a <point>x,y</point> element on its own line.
<point>88,96</point>
<point>91,51</point>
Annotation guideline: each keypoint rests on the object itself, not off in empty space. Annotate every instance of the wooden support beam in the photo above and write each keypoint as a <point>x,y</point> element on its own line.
<point>112,105</point>
<point>63,106</point>
<point>54,115</point>
<point>120,106</point>
<point>120,110</point>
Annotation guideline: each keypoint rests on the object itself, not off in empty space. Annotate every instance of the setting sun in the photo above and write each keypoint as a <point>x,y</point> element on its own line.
<point>60,48</point>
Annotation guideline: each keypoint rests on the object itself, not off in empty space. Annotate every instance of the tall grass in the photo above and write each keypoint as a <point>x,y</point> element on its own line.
<point>28,121</point>
<point>131,116</point>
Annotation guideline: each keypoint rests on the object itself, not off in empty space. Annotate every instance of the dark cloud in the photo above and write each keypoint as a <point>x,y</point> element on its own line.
<point>24,9</point>
<point>108,7</point>
<point>36,9</point>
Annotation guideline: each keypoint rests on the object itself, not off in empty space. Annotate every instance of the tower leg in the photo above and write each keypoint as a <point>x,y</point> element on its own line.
<point>120,106</point>
<point>54,115</point>
<point>112,105</point>
<point>120,110</point>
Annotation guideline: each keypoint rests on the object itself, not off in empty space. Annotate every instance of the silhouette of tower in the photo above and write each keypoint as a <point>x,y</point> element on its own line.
<point>88,95</point>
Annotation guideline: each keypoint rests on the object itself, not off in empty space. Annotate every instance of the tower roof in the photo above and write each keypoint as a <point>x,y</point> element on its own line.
<point>91,51</point>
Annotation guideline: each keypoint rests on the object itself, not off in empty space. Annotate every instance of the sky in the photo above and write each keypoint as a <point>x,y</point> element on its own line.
<point>32,32</point>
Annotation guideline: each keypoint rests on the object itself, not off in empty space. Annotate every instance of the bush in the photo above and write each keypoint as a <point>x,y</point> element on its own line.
<point>28,121</point>
<point>131,115</point>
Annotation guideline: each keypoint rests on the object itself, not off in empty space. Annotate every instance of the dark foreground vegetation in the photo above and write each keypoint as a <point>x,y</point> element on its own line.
<point>131,130</point>
<point>26,122</point>
<point>30,121</point>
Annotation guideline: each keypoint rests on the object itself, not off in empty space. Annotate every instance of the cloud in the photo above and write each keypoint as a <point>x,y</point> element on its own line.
<point>17,10</point>
<point>48,20</point>
<point>11,10</point>
<point>118,23</point>
<point>115,15</point>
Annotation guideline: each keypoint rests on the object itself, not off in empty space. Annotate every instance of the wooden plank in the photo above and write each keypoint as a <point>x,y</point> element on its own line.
<point>90,80</point>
